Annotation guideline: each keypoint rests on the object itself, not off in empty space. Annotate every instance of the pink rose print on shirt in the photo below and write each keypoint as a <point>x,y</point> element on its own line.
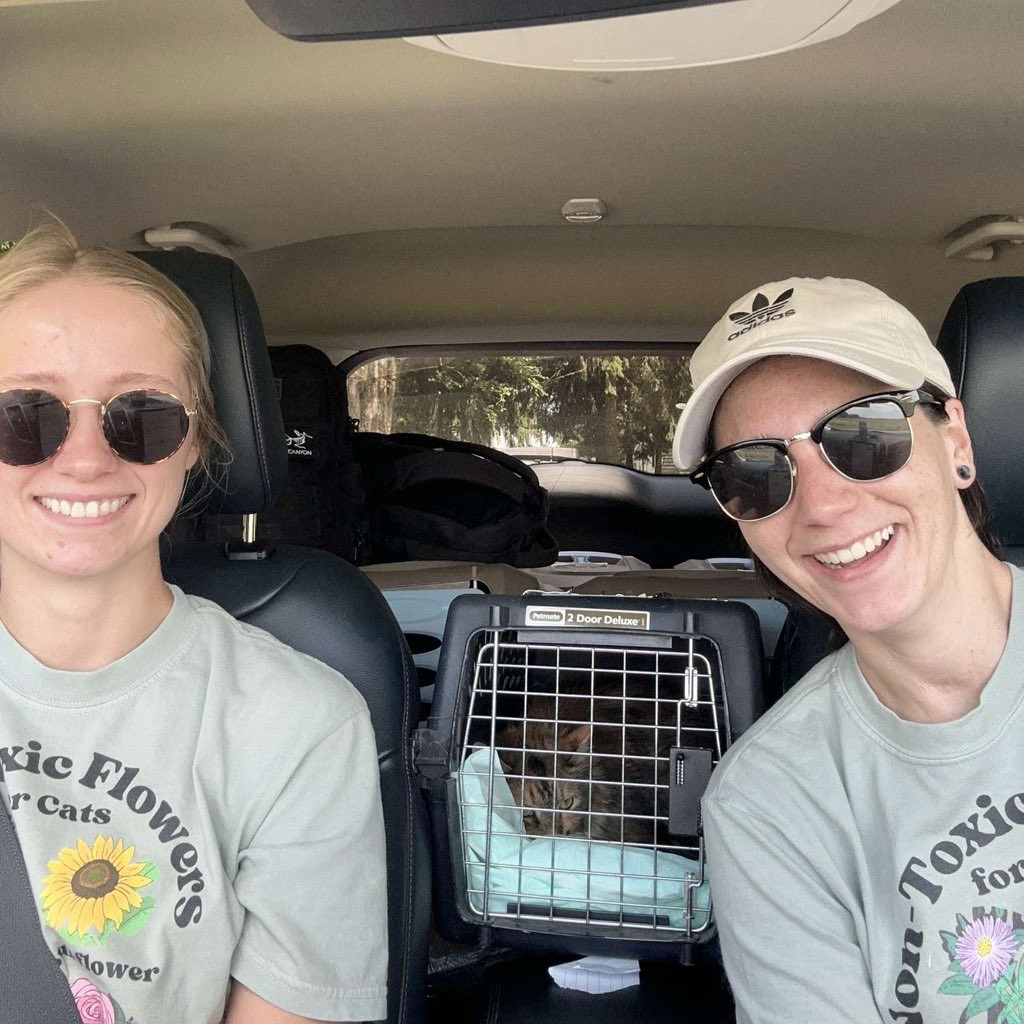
<point>94,1006</point>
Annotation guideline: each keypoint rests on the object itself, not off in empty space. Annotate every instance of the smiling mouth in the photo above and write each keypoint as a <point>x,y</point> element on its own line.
<point>856,551</point>
<point>84,509</point>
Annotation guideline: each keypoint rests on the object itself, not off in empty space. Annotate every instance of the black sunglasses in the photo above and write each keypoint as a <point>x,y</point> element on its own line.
<point>867,439</point>
<point>140,426</point>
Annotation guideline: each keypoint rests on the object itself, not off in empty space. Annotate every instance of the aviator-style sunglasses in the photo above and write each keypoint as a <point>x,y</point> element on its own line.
<point>145,427</point>
<point>867,439</point>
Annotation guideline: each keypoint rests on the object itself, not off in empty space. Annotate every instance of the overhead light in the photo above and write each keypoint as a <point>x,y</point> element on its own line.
<point>584,211</point>
<point>685,37</point>
<point>985,237</point>
<point>178,236</point>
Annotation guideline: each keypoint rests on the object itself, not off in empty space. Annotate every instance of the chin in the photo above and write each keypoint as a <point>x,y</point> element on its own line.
<point>84,563</point>
<point>873,619</point>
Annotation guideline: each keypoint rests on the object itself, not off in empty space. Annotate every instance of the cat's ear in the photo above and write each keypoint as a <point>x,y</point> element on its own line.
<point>577,739</point>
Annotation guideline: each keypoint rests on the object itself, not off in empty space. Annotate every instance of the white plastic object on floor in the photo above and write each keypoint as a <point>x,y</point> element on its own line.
<point>596,974</point>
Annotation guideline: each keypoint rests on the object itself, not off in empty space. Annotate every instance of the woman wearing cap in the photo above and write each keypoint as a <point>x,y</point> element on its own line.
<point>195,834</point>
<point>865,837</point>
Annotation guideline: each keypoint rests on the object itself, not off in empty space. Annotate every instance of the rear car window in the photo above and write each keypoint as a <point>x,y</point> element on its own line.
<point>602,407</point>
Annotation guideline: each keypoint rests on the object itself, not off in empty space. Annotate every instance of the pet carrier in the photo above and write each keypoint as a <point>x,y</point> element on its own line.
<point>568,746</point>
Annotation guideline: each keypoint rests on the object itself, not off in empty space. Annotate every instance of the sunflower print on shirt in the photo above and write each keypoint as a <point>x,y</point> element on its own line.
<point>94,891</point>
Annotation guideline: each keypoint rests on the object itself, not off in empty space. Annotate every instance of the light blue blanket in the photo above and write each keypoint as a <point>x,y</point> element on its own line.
<point>569,873</point>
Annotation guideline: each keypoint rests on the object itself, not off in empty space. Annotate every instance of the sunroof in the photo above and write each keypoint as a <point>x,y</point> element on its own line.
<point>321,20</point>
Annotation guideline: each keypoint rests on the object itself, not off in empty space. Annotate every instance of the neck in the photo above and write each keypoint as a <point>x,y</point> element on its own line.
<point>935,671</point>
<point>82,624</point>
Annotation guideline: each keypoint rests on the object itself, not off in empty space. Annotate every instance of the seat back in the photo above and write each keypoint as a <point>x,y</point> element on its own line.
<point>982,339</point>
<point>308,598</point>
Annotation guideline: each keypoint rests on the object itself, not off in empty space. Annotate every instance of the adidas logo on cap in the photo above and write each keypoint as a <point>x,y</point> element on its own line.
<point>761,312</point>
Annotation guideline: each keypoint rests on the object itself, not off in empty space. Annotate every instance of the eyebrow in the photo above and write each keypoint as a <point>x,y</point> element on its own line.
<point>122,382</point>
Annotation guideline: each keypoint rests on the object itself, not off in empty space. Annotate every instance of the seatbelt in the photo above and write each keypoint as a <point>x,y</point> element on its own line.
<point>33,989</point>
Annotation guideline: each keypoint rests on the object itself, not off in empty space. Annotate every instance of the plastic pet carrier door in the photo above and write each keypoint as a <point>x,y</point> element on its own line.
<point>570,741</point>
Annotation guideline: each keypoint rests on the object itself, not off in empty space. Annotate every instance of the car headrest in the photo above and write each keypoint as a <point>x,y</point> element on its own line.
<point>245,398</point>
<point>982,339</point>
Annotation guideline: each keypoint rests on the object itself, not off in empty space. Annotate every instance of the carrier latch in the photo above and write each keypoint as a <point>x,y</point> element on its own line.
<point>430,753</point>
<point>689,772</point>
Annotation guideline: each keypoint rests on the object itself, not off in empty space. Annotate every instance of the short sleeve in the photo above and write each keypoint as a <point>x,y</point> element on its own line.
<point>791,947</point>
<point>312,882</point>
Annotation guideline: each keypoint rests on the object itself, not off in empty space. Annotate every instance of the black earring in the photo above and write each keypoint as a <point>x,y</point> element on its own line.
<point>964,472</point>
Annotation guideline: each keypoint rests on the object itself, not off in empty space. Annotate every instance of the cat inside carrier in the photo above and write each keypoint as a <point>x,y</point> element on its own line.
<point>569,743</point>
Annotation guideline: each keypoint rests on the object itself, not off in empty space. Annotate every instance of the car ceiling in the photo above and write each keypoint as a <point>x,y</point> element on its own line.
<point>377,192</point>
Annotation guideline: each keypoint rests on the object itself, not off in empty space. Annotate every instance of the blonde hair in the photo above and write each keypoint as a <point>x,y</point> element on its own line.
<point>50,252</point>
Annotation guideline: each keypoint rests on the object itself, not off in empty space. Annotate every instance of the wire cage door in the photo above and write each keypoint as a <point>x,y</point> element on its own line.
<point>575,810</point>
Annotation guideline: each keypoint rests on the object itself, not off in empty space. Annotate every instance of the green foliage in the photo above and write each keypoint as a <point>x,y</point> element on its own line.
<point>983,999</point>
<point>469,399</point>
<point>609,408</point>
<point>958,985</point>
<point>616,409</point>
<point>1011,993</point>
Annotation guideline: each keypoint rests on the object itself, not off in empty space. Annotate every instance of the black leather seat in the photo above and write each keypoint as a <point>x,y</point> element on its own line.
<point>308,598</point>
<point>982,339</point>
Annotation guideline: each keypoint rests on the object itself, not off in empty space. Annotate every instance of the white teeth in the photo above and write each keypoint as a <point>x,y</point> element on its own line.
<point>84,509</point>
<point>856,551</point>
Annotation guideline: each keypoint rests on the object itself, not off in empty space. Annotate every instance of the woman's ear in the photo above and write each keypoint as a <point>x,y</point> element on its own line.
<point>958,442</point>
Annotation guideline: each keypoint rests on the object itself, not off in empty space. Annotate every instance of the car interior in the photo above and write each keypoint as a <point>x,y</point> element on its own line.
<point>452,262</point>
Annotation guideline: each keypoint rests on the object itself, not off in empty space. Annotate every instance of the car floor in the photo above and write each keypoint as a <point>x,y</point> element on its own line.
<point>502,986</point>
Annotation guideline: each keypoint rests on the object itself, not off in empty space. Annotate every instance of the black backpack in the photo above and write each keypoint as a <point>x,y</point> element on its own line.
<point>322,504</point>
<point>432,498</point>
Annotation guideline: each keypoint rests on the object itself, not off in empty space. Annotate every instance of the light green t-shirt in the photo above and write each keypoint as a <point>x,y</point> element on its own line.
<point>867,869</point>
<point>206,807</point>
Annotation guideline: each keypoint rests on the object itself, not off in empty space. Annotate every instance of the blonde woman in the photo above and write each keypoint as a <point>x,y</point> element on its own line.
<point>197,803</point>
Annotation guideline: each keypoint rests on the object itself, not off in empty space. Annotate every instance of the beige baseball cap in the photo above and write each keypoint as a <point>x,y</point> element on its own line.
<point>833,319</point>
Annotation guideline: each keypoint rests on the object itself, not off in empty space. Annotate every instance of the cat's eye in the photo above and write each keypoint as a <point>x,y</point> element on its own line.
<point>567,803</point>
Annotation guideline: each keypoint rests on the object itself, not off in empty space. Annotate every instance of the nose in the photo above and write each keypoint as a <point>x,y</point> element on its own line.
<point>85,453</point>
<point>822,495</point>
